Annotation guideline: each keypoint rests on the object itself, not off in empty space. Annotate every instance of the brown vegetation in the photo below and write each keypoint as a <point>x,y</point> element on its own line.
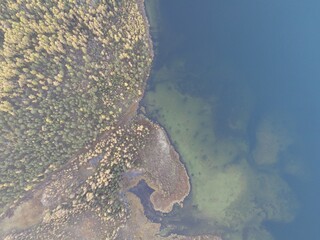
<point>164,171</point>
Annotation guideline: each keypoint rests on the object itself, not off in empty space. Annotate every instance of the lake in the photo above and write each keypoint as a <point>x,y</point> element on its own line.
<point>236,86</point>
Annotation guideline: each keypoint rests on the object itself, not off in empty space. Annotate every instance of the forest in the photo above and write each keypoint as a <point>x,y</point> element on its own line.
<point>69,70</point>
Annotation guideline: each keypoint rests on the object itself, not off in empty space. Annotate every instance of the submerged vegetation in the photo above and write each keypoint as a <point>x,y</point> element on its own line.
<point>230,189</point>
<point>69,72</point>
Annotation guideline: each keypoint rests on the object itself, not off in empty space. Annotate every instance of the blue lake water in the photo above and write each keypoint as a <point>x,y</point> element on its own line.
<point>247,74</point>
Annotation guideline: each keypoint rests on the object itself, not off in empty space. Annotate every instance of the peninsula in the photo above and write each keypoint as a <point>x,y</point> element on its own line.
<point>72,142</point>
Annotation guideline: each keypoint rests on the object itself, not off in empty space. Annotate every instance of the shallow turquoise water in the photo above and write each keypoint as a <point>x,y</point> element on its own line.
<point>236,85</point>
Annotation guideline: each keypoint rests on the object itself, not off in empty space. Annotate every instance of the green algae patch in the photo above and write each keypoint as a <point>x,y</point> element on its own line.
<point>189,120</point>
<point>209,161</point>
<point>218,190</point>
<point>272,139</point>
<point>252,233</point>
<point>227,189</point>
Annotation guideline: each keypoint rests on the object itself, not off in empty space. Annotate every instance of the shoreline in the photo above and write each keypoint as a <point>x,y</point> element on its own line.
<point>142,8</point>
<point>155,177</point>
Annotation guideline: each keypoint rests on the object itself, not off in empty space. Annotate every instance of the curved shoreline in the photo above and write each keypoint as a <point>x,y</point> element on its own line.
<point>141,4</point>
<point>59,187</point>
<point>161,168</point>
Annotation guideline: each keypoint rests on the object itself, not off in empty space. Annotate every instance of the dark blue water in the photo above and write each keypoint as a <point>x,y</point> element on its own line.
<point>270,49</point>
